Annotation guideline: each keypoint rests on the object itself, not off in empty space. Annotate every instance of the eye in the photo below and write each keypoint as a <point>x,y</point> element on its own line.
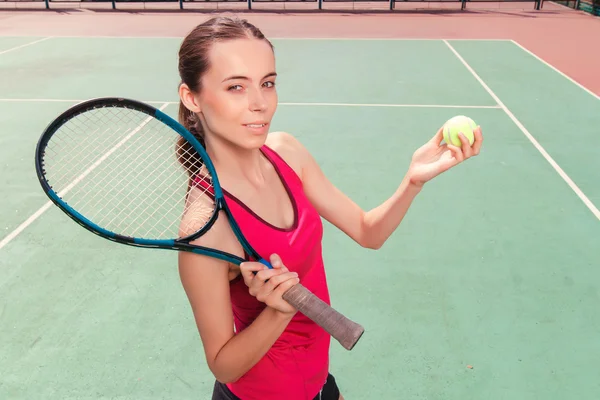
<point>235,87</point>
<point>269,84</point>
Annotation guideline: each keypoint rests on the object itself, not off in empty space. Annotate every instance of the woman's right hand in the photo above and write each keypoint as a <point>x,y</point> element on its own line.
<point>268,285</point>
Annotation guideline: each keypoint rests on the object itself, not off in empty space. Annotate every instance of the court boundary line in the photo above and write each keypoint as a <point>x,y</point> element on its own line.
<point>24,45</point>
<point>272,38</point>
<point>299,104</point>
<point>564,75</point>
<point>6,240</point>
<point>529,136</point>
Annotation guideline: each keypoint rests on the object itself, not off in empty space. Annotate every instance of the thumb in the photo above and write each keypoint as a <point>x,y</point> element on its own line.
<point>438,137</point>
<point>276,261</point>
<point>250,268</point>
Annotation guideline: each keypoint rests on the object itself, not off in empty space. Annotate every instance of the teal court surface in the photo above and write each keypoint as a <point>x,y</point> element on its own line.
<point>489,289</point>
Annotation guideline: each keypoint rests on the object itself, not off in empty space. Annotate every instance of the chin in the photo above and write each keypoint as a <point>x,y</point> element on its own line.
<point>254,137</point>
<point>255,142</point>
<point>244,138</point>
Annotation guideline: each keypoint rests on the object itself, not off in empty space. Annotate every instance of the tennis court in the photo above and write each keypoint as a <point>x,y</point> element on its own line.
<point>489,288</point>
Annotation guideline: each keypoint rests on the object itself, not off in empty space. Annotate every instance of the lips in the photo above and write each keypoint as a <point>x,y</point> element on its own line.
<point>256,125</point>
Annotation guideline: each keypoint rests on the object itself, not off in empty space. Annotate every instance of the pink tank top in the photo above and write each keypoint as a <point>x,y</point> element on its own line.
<point>296,366</point>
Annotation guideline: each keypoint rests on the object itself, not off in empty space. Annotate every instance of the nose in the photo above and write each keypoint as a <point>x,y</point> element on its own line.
<point>257,101</point>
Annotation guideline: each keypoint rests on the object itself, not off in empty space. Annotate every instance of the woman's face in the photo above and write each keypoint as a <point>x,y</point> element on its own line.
<point>238,98</point>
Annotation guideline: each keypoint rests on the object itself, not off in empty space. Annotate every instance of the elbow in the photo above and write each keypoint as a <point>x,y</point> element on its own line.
<point>224,374</point>
<point>375,246</point>
<point>225,377</point>
<point>372,246</point>
<point>367,237</point>
<point>370,243</point>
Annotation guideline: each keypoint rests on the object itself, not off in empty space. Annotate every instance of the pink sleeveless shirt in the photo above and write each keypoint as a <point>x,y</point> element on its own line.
<point>296,366</point>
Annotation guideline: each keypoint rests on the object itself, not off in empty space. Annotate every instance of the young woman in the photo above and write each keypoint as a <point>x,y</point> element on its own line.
<point>277,193</point>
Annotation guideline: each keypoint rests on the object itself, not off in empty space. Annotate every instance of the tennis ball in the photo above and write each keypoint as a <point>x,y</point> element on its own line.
<point>457,124</point>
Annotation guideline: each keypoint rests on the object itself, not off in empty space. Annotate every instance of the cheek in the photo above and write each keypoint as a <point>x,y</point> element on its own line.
<point>222,112</point>
<point>271,100</point>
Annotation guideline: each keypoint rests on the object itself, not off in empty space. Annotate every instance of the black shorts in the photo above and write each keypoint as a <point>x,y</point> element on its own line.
<point>330,391</point>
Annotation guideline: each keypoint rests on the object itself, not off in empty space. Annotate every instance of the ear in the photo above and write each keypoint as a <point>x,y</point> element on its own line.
<point>188,99</point>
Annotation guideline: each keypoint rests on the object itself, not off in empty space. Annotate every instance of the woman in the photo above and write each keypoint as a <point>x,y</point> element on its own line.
<point>277,193</point>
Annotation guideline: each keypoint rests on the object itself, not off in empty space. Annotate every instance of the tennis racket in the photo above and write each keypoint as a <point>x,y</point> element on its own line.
<point>129,173</point>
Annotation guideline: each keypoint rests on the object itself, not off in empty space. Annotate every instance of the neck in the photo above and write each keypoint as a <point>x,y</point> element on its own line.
<point>233,163</point>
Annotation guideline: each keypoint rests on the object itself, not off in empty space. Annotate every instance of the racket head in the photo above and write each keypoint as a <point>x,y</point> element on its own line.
<point>120,156</point>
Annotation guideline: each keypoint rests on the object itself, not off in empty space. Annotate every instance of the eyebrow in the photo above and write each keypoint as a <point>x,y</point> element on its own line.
<point>271,74</point>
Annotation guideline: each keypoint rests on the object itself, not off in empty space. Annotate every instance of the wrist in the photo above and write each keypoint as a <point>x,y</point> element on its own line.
<point>411,184</point>
<point>280,316</point>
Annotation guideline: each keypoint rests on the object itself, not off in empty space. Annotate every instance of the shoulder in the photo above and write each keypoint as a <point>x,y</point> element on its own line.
<point>199,209</point>
<point>290,149</point>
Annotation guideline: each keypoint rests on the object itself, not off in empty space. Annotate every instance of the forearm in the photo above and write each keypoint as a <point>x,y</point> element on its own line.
<point>246,348</point>
<point>379,223</point>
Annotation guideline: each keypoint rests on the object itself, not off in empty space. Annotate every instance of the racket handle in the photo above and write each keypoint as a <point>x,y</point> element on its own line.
<point>345,331</point>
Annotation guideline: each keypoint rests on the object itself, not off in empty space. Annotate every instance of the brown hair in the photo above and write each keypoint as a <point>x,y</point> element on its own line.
<point>194,62</point>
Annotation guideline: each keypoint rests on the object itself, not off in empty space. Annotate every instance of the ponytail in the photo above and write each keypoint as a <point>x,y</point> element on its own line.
<point>186,154</point>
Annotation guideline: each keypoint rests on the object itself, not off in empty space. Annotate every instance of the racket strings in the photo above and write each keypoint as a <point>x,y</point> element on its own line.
<point>59,149</point>
<point>86,126</point>
<point>168,196</point>
<point>132,189</point>
<point>129,173</point>
<point>200,205</point>
<point>82,128</point>
<point>60,152</point>
<point>85,190</point>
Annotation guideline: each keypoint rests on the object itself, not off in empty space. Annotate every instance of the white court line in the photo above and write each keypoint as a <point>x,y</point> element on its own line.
<point>537,145</point>
<point>556,69</point>
<point>270,38</point>
<point>386,105</point>
<point>46,206</point>
<point>71,101</point>
<point>285,104</point>
<point>25,45</point>
<point>388,38</point>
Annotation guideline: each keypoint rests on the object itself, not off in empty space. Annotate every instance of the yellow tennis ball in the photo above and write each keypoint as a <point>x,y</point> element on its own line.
<point>457,124</point>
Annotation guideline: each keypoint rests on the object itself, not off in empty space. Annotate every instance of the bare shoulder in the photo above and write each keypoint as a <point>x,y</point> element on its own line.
<point>290,149</point>
<point>199,209</point>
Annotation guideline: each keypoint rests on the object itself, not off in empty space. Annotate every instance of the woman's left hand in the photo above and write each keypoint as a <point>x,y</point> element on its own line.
<point>433,158</point>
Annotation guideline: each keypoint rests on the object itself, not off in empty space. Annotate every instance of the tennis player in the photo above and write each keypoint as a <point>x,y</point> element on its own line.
<point>258,346</point>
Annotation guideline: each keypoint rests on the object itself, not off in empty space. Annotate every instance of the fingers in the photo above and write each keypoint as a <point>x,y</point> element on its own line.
<point>268,285</point>
<point>276,261</point>
<point>286,285</point>
<point>263,281</point>
<point>438,137</point>
<point>468,150</point>
<point>276,286</point>
<point>478,140</point>
<point>249,269</point>
<point>465,146</point>
<point>456,152</point>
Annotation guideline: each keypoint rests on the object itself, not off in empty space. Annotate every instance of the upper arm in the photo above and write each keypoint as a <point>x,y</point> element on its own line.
<point>330,202</point>
<point>206,284</point>
<point>205,281</point>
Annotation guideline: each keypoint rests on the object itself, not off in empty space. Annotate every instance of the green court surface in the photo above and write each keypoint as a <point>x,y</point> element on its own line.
<point>494,266</point>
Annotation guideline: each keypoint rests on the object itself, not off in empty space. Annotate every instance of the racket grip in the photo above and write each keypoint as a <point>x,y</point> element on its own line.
<point>345,331</point>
